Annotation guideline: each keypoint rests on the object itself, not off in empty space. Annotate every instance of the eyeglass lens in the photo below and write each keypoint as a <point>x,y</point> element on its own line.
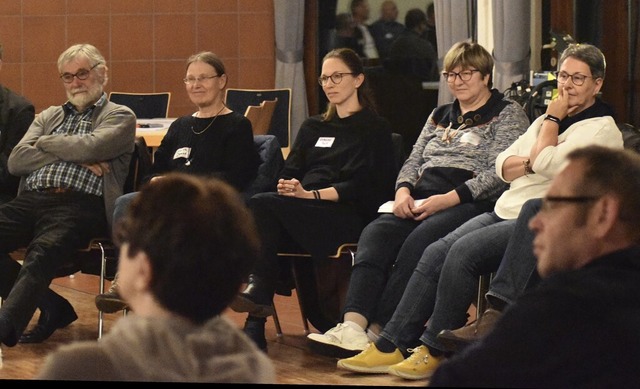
<point>578,79</point>
<point>200,79</point>
<point>336,78</point>
<point>464,75</point>
<point>82,74</point>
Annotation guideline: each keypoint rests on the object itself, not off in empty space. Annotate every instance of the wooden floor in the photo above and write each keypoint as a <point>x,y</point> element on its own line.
<point>294,362</point>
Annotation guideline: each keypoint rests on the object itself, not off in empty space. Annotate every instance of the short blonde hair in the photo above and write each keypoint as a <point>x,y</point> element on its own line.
<point>469,55</point>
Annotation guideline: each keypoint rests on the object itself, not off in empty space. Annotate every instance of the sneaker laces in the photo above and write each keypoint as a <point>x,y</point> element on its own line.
<point>113,288</point>
<point>416,358</point>
<point>336,332</point>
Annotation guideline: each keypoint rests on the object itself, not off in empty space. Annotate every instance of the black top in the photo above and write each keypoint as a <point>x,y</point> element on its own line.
<point>354,155</point>
<point>16,115</point>
<point>224,150</point>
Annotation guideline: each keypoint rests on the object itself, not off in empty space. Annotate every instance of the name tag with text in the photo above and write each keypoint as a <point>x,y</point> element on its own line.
<point>182,152</point>
<point>325,142</point>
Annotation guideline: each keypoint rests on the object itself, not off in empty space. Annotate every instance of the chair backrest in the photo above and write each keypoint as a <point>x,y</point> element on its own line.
<point>239,99</point>
<point>261,116</point>
<point>399,152</point>
<point>144,105</point>
<point>630,136</point>
<point>139,167</point>
<point>540,96</point>
<point>272,162</point>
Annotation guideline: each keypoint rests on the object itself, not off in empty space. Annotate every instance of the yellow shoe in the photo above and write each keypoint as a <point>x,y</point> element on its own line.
<point>420,365</point>
<point>371,360</point>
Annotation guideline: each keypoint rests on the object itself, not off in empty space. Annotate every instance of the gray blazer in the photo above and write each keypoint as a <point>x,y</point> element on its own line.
<point>112,140</point>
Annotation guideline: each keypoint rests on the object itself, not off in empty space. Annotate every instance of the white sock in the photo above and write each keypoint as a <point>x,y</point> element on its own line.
<point>353,325</point>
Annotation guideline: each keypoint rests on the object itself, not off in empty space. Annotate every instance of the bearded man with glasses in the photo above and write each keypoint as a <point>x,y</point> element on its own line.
<point>73,162</point>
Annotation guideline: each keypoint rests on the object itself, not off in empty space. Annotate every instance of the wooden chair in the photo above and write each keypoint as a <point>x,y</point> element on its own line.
<point>261,115</point>
<point>144,105</point>
<point>239,99</point>
<point>320,286</point>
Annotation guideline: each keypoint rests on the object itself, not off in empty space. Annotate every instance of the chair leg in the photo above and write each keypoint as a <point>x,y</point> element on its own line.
<point>103,271</point>
<point>305,321</point>
<point>276,320</point>
<point>483,288</point>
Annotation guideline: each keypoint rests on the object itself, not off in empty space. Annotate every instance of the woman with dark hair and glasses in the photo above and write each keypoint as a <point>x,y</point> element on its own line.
<point>445,280</point>
<point>339,170</point>
<point>451,170</point>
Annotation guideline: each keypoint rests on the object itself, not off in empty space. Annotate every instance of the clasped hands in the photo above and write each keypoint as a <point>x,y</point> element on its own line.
<point>292,187</point>
<point>404,206</point>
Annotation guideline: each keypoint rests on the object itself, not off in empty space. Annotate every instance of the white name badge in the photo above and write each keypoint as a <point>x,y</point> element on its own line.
<point>471,138</point>
<point>325,142</point>
<point>182,152</point>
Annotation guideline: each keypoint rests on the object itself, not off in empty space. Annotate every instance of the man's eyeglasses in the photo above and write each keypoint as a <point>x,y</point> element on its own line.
<point>577,78</point>
<point>81,74</point>
<point>464,75</point>
<point>200,79</point>
<point>548,201</point>
<point>336,78</point>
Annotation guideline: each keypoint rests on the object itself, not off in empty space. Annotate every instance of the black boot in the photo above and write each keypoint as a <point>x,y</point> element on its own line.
<point>7,333</point>
<point>55,312</point>
<point>254,328</point>
<point>256,299</point>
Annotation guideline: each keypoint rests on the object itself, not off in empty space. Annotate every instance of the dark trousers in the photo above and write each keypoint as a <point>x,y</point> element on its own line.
<point>52,226</point>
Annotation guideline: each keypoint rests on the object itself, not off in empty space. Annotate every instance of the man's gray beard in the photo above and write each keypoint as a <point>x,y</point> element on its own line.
<point>86,99</point>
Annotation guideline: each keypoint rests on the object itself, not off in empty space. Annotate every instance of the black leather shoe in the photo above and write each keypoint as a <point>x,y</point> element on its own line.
<point>7,334</point>
<point>58,316</point>
<point>256,299</point>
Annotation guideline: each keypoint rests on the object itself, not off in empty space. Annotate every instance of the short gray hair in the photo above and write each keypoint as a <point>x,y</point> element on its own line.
<point>588,54</point>
<point>88,51</point>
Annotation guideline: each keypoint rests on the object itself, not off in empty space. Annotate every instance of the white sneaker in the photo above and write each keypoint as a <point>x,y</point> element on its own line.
<point>341,341</point>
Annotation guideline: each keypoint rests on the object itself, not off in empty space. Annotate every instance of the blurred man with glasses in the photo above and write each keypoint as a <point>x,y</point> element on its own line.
<point>16,114</point>
<point>73,162</point>
<point>579,326</point>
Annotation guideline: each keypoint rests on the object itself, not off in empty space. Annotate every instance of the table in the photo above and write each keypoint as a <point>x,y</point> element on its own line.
<point>153,130</point>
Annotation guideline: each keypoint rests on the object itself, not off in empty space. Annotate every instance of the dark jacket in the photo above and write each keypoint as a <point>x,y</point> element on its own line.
<point>16,114</point>
<point>577,329</point>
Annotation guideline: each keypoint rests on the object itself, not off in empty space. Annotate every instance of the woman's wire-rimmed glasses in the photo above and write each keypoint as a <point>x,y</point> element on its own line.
<point>199,79</point>
<point>336,78</point>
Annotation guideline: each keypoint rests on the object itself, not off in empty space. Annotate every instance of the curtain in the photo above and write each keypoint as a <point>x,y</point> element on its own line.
<point>454,23</point>
<point>289,28</point>
<point>511,37</point>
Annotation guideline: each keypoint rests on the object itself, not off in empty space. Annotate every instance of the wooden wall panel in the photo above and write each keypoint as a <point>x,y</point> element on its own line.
<point>145,42</point>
